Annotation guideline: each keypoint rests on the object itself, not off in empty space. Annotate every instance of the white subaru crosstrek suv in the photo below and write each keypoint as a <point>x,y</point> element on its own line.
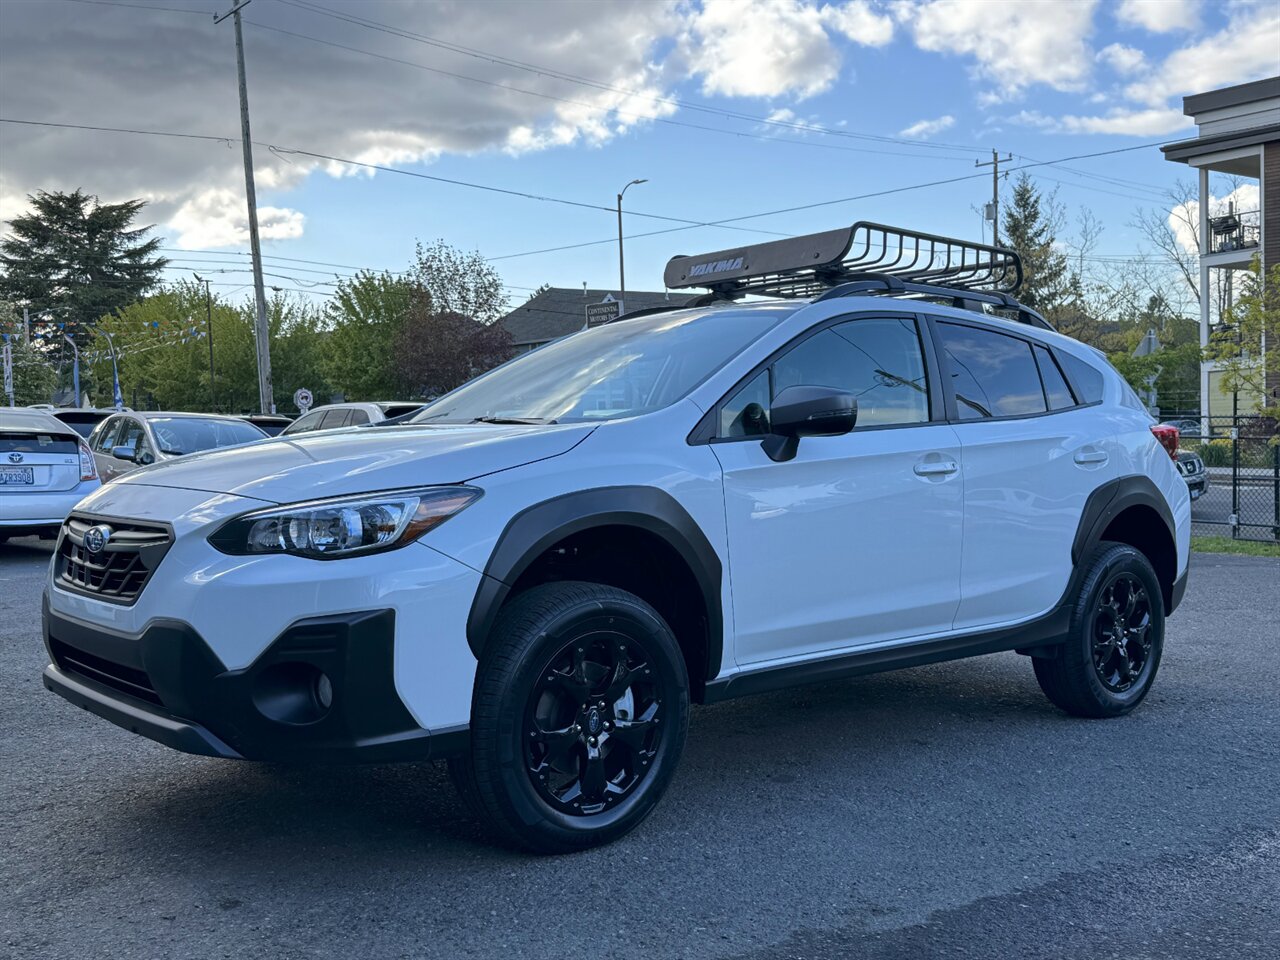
<point>537,576</point>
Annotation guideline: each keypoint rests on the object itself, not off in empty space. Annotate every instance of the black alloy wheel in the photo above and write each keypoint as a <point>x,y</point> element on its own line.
<point>592,722</point>
<point>578,718</point>
<point>1122,632</point>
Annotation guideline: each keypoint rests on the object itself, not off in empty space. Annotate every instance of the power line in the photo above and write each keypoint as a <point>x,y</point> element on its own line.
<point>594,107</point>
<point>551,73</point>
<point>142,6</point>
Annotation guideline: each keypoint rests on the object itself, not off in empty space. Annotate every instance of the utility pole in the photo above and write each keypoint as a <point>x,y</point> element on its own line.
<point>208,307</point>
<point>994,164</point>
<point>263,332</point>
<point>622,269</point>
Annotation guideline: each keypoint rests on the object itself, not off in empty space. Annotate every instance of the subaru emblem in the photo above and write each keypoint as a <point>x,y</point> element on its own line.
<point>96,538</point>
<point>15,458</point>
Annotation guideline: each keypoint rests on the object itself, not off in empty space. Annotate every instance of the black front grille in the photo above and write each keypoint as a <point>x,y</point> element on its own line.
<point>117,676</point>
<point>121,569</point>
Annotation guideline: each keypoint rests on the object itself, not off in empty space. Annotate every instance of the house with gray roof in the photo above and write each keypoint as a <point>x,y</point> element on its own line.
<point>559,311</point>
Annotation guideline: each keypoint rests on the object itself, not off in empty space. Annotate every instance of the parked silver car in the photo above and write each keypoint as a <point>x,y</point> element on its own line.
<point>45,470</point>
<point>131,440</point>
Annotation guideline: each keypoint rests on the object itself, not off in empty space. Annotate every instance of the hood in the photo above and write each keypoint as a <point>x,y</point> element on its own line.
<point>334,463</point>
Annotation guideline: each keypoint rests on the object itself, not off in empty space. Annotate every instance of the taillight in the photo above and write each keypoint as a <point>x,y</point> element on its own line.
<point>88,469</point>
<point>1168,437</point>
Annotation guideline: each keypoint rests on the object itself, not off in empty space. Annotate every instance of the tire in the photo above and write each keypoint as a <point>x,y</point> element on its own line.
<point>1113,648</point>
<point>578,718</point>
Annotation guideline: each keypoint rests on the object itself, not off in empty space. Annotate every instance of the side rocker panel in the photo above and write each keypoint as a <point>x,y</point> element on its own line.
<point>534,530</point>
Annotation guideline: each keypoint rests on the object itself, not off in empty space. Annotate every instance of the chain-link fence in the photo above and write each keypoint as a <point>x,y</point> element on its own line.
<point>1241,476</point>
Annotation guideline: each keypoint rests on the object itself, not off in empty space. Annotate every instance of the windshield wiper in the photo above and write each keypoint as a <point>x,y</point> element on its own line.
<point>524,420</point>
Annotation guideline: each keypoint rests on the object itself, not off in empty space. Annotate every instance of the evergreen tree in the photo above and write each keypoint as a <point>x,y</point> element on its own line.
<point>75,260</point>
<point>1030,229</point>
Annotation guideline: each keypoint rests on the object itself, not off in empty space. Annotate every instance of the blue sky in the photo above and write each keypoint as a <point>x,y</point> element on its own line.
<point>946,80</point>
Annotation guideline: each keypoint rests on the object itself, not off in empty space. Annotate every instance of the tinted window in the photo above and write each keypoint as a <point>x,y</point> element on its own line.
<point>1056,390</point>
<point>310,422</point>
<point>992,375</point>
<point>356,417</point>
<point>334,418</point>
<point>81,423</point>
<point>13,441</point>
<point>1086,378</point>
<point>179,435</point>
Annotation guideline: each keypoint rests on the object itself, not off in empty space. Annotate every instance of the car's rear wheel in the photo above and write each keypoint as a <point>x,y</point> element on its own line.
<point>1116,638</point>
<point>578,719</point>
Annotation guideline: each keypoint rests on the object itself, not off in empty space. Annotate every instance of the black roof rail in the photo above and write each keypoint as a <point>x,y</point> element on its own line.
<point>865,258</point>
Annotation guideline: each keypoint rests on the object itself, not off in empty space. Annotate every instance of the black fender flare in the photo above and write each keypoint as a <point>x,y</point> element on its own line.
<point>535,529</point>
<point>1105,504</point>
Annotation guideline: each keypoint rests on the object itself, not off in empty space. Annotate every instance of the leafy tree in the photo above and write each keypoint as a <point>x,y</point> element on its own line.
<point>459,282</point>
<point>437,350</point>
<point>76,260</point>
<point>34,378</point>
<point>364,317</point>
<point>1031,223</point>
<point>1244,345</point>
<point>163,354</point>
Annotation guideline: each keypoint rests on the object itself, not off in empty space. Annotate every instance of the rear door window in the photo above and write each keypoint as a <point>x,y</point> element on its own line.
<point>991,375</point>
<point>357,417</point>
<point>304,424</point>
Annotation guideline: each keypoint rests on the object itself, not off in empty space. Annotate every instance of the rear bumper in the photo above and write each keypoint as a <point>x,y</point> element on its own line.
<point>169,686</point>
<point>31,508</point>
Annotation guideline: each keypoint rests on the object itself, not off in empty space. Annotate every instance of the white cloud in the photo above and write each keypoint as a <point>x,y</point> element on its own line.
<point>1015,43</point>
<point>761,48</point>
<point>1160,16</point>
<point>1123,59</point>
<point>1184,217</point>
<point>1154,122</point>
<point>924,129</point>
<point>860,22</point>
<point>1248,48</point>
<point>305,95</point>
<point>219,218</point>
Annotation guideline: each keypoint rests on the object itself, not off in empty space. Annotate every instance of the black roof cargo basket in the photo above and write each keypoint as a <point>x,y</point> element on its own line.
<point>866,258</point>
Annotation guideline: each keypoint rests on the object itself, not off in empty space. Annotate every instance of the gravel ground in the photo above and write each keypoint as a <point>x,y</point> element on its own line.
<point>942,811</point>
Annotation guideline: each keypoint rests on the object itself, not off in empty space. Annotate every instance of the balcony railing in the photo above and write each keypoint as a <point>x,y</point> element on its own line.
<point>1235,231</point>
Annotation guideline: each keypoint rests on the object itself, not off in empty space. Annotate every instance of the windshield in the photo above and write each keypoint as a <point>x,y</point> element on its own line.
<point>615,370</point>
<point>179,435</point>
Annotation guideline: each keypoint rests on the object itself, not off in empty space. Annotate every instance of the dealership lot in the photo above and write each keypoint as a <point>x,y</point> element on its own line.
<point>947,810</point>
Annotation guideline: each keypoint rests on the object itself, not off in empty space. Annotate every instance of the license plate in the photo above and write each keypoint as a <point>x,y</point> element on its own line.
<point>14,476</point>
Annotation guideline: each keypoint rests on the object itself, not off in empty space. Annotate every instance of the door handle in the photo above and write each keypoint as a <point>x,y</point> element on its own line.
<point>935,468</point>
<point>1087,456</point>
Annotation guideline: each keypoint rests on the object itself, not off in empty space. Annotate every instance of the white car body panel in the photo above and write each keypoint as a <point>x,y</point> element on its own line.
<point>878,545</point>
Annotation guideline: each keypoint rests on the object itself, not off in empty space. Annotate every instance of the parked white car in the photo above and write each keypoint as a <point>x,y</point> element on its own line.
<point>334,415</point>
<point>45,470</point>
<point>538,575</point>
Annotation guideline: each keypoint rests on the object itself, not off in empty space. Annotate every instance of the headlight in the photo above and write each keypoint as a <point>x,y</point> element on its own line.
<point>343,526</point>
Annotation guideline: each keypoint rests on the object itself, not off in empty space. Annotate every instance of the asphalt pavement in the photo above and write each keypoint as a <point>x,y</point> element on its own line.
<point>945,811</point>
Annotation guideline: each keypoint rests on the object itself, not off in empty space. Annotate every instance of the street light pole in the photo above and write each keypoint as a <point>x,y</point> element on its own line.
<point>208,306</point>
<point>622,268</point>
<point>261,327</point>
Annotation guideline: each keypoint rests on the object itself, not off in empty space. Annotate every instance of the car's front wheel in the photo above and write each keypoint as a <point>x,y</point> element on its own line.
<point>578,720</point>
<point>1112,653</point>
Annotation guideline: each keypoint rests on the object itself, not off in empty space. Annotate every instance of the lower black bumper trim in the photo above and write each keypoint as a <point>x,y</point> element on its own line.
<point>137,718</point>
<point>1179,588</point>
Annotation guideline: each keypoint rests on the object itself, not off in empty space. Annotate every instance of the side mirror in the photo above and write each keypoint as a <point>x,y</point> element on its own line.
<point>124,453</point>
<point>805,411</point>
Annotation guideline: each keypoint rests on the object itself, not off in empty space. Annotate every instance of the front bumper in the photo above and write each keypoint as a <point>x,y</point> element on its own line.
<point>169,685</point>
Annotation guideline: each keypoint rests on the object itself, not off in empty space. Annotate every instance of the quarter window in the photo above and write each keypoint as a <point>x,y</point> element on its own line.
<point>992,375</point>
<point>1085,376</point>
